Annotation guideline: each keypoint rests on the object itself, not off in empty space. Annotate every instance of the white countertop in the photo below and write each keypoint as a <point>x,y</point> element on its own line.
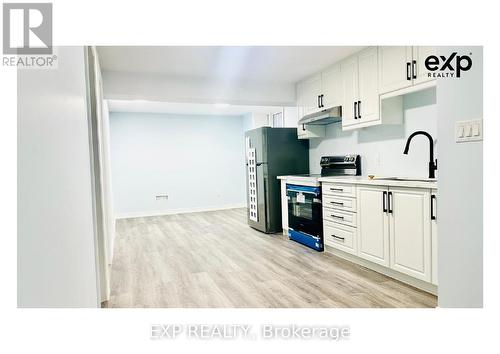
<point>423,183</point>
<point>431,184</point>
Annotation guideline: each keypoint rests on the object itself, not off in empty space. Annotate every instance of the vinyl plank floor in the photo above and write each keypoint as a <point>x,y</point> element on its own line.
<point>214,259</point>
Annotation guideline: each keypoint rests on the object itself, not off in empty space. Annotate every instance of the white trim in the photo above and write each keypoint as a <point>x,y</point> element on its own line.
<point>141,214</point>
<point>410,89</point>
<point>417,283</point>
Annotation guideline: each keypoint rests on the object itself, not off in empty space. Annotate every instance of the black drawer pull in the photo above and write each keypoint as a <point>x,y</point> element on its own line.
<point>337,203</point>
<point>338,217</point>
<point>337,189</point>
<point>339,238</point>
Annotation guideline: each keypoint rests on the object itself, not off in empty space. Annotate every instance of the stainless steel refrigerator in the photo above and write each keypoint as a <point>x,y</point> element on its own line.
<point>271,152</point>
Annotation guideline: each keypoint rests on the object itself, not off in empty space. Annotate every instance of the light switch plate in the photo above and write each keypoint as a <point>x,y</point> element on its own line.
<point>468,130</point>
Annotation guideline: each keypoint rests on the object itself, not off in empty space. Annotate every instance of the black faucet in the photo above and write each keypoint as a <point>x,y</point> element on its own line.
<point>432,163</point>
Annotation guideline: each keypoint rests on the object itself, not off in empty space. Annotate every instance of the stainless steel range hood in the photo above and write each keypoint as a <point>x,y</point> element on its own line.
<point>325,117</point>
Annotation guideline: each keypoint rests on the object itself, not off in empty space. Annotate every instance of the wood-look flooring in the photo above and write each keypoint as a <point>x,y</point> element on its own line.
<point>214,259</point>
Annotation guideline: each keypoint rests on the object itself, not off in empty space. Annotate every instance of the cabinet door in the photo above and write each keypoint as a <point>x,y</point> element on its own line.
<point>311,89</point>
<point>373,224</point>
<point>331,83</point>
<point>300,93</point>
<point>394,68</point>
<point>421,74</point>
<point>410,232</point>
<point>349,74</point>
<point>368,86</point>
<point>434,238</point>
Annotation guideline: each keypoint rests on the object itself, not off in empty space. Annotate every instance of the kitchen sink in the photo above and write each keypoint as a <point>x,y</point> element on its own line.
<point>409,179</point>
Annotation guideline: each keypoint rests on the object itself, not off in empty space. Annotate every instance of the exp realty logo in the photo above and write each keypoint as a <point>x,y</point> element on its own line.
<point>451,66</point>
<point>27,35</point>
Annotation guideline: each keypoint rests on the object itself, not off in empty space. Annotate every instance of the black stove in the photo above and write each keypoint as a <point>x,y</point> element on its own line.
<point>345,165</point>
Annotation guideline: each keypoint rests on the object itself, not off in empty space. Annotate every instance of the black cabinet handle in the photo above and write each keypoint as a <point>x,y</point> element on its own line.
<point>339,238</point>
<point>337,203</point>
<point>355,107</point>
<point>384,206</point>
<point>389,202</point>
<point>408,75</point>
<point>359,109</point>
<point>319,105</point>
<point>322,104</point>
<point>414,69</point>
<point>338,217</point>
<point>337,189</point>
<point>433,198</point>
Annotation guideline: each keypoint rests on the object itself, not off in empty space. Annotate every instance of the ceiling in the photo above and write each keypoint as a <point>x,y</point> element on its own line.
<point>236,63</point>
<point>187,108</point>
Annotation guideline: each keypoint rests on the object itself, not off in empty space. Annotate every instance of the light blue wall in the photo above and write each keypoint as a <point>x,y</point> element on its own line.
<point>381,147</point>
<point>198,161</point>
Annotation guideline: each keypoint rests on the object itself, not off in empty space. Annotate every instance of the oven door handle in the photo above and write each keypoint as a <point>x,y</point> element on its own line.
<point>300,191</point>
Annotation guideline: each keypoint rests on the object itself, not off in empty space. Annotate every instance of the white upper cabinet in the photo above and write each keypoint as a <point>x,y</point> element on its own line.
<point>359,82</point>
<point>394,68</point>
<point>410,232</point>
<point>368,102</point>
<point>308,93</point>
<point>402,67</point>
<point>349,69</point>
<point>331,83</point>
<point>362,106</point>
<point>420,72</point>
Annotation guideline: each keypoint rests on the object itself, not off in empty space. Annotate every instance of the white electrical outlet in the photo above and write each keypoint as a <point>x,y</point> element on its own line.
<point>468,130</point>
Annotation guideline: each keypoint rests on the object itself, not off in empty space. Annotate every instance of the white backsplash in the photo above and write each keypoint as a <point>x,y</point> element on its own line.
<point>381,147</point>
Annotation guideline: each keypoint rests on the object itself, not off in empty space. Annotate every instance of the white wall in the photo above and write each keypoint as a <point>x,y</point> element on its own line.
<point>107,183</point>
<point>381,147</point>
<point>129,86</point>
<point>198,161</point>
<point>460,197</point>
<point>56,247</point>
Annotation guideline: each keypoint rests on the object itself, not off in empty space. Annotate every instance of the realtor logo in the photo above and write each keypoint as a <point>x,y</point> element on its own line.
<point>27,28</point>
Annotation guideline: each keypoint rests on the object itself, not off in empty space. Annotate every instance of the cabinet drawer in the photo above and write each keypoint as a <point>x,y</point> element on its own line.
<point>338,216</point>
<point>338,202</point>
<point>339,236</point>
<point>346,190</point>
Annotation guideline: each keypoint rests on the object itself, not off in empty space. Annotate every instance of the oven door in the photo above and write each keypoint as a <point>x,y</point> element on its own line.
<point>304,209</point>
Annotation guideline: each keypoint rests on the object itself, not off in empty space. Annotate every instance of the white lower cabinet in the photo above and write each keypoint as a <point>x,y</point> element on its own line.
<point>410,231</point>
<point>434,237</point>
<point>373,225</point>
<point>394,227</point>
<point>339,236</point>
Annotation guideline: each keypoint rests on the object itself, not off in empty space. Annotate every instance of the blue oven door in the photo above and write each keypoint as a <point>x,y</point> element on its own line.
<point>305,215</point>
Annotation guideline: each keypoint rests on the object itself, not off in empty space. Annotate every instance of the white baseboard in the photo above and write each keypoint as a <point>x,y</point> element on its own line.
<point>417,283</point>
<point>142,214</point>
